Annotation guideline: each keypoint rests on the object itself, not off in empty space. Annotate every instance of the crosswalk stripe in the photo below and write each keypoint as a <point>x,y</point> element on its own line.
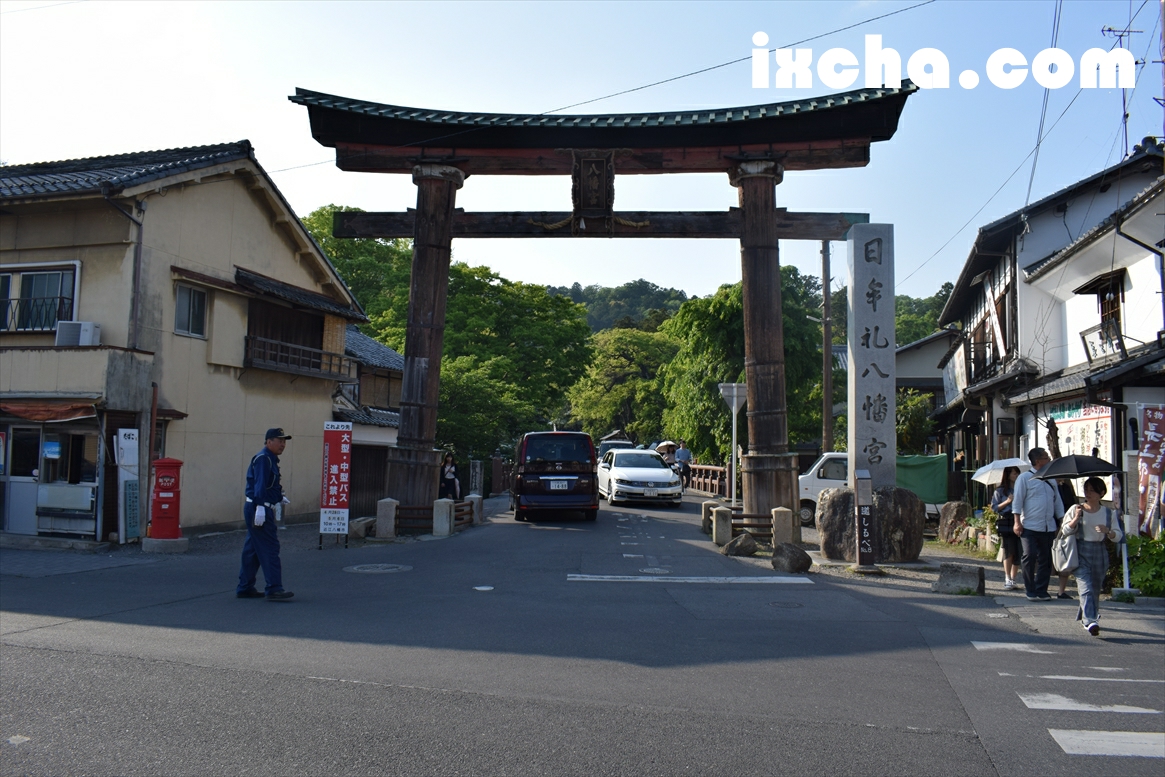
<point>1019,647</point>
<point>1119,743</point>
<point>664,579</point>
<point>1096,679</point>
<point>1053,701</point>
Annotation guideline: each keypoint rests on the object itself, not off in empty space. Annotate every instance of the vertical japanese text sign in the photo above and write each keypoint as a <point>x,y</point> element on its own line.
<point>870,329</point>
<point>335,483</point>
<point>1150,464</point>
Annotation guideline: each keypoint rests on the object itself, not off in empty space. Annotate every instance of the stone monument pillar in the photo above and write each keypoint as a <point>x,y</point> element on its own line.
<point>413,465</point>
<point>873,442</point>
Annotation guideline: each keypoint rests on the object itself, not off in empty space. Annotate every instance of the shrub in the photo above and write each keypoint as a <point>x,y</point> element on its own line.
<point>1147,565</point>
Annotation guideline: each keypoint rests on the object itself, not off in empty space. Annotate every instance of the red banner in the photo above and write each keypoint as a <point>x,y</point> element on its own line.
<point>334,485</point>
<point>1150,464</point>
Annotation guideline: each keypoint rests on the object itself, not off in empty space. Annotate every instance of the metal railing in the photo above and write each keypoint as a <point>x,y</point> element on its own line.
<point>296,359</point>
<point>36,314</point>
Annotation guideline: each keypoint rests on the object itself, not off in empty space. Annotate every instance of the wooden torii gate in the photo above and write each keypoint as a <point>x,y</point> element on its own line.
<point>754,145</point>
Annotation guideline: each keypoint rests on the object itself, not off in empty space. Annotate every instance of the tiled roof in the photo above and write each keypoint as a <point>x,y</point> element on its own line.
<point>367,351</point>
<point>296,295</point>
<point>92,175</point>
<point>1045,265</point>
<point>1069,381</point>
<point>594,121</point>
<point>369,416</point>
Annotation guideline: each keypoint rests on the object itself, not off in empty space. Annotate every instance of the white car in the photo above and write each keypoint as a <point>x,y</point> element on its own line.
<point>626,475</point>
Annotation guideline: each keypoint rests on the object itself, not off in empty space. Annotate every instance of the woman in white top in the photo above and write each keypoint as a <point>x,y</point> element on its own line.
<point>1092,523</point>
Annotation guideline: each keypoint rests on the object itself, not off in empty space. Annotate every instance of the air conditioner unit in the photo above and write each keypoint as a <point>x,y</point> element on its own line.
<point>78,333</point>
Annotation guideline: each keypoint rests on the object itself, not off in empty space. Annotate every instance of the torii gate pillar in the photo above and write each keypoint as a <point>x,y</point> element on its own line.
<point>414,463</point>
<point>769,471</point>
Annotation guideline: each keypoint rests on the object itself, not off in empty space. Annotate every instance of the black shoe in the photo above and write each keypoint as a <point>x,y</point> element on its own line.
<point>1044,598</point>
<point>1064,595</point>
<point>279,596</point>
<point>250,594</point>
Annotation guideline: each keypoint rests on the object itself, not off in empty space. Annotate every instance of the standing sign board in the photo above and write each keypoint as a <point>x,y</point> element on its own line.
<point>334,487</point>
<point>1150,465</point>
<point>128,503</point>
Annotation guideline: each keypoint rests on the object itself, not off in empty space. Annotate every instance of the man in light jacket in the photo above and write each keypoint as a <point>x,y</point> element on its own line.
<point>1036,506</point>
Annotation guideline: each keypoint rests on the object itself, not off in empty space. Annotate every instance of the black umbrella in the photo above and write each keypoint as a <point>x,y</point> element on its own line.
<point>1074,466</point>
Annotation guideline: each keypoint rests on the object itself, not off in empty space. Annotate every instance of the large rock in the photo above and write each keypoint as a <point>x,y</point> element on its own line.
<point>744,545</point>
<point>899,519</point>
<point>959,579</point>
<point>787,557</point>
<point>952,519</point>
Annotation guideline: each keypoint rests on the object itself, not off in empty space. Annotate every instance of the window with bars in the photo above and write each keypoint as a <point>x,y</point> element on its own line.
<point>35,300</point>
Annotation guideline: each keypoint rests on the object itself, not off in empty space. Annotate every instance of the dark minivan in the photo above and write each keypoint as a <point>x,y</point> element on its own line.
<point>555,471</point>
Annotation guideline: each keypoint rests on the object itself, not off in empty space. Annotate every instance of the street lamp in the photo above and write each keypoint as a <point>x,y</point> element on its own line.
<point>735,395</point>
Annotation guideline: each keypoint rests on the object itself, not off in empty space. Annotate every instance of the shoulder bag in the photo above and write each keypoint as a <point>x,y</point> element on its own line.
<point>1065,557</point>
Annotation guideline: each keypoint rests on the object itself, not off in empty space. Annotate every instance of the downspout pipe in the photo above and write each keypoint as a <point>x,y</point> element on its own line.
<point>134,305</point>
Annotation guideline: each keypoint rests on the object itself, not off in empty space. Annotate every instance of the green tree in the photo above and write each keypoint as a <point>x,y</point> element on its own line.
<point>710,332</point>
<point>376,271</point>
<point>914,317</point>
<point>913,424</point>
<point>621,387</point>
<point>608,307</point>
<point>478,413</point>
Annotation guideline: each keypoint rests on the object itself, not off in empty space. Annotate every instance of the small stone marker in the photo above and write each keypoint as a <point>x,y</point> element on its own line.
<point>442,517</point>
<point>721,526</point>
<point>386,518</point>
<point>959,579</point>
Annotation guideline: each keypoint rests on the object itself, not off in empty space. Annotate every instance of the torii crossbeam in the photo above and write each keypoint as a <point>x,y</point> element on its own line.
<point>754,145</point>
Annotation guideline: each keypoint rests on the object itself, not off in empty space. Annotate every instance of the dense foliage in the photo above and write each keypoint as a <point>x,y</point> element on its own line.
<point>621,387</point>
<point>624,306</point>
<point>1147,564</point>
<point>914,317</point>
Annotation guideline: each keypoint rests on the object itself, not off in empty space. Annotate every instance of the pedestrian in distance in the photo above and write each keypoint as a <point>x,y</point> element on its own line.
<point>450,485</point>
<point>1068,497</point>
<point>1036,507</point>
<point>684,457</point>
<point>1012,549</point>
<point>1092,524</point>
<point>261,548</point>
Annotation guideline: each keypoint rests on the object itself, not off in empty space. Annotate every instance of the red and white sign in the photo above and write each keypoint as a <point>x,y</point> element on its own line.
<point>1150,465</point>
<point>334,487</point>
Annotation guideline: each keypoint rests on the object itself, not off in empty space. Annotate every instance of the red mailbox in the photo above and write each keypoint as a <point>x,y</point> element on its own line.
<point>166,499</point>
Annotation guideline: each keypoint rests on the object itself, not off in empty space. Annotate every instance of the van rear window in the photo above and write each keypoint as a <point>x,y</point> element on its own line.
<point>564,448</point>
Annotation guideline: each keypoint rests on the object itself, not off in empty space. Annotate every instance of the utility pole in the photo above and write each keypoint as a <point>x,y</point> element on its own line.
<point>826,352</point>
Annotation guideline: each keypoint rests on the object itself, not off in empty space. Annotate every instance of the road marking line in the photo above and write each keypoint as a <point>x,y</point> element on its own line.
<point>1096,679</point>
<point>628,543</point>
<point>1053,701</point>
<point>1126,743</point>
<point>1019,647</point>
<point>717,580</point>
<point>1107,668</point>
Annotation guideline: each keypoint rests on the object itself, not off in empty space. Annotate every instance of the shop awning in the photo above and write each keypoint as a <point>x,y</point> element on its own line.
<point>49,409</point>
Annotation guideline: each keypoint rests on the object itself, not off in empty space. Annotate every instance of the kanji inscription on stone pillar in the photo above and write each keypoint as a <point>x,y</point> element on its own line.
<point>872,440</point>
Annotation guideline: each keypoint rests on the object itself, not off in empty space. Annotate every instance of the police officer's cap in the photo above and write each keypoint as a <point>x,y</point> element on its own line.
<point>277,433</point>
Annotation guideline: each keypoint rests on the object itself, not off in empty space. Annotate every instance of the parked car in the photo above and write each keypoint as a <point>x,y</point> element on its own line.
<point>832,471</point>
<point>555,472</point>
<point>607,445</point>
<point>628,474</point>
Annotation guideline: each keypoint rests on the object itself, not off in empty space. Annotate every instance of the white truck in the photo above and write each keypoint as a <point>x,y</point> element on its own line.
<point>831,471</point>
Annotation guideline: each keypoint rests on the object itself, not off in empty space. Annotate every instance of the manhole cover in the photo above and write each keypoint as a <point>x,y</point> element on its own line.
<point>784,605</point>
<point>377,569</point>
<point>655,571</point>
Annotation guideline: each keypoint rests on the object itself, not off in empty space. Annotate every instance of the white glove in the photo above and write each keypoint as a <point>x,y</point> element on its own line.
<point>286,501</point>
<point>260,515</point>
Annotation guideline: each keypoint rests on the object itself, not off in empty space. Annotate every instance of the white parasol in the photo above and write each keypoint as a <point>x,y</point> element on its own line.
<point>992,474</point>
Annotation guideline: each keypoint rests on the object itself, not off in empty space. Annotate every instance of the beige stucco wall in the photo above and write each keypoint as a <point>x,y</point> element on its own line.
<point>209,228</point>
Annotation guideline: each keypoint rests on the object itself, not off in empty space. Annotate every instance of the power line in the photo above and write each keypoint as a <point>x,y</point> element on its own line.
<point>40,7</point>
<point>1044,109</point>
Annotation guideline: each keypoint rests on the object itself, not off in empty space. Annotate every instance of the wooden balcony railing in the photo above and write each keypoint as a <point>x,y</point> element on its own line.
<point>295,359</point>
<point>37,314</point>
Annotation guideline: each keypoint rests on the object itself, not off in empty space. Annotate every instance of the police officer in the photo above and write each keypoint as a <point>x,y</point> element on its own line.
<point>264,492</point>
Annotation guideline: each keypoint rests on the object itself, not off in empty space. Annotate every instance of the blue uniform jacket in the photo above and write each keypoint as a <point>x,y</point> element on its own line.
<point>263,485</point>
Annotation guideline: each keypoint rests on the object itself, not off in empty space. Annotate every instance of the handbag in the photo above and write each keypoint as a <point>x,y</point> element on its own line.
<point>1065,557</point>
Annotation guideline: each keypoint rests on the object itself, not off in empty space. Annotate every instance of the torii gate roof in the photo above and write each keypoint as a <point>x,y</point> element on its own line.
<point>819,132</point>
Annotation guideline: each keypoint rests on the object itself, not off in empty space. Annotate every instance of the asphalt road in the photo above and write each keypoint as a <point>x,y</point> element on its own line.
<point>151,666</point>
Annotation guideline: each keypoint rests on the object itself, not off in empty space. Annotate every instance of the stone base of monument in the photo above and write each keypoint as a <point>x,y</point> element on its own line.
<point>899,516</point>
<point>866,569</point>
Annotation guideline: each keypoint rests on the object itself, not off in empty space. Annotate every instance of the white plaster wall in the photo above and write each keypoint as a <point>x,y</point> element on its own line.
<point>1043,336</point>
<point>1141,315</point>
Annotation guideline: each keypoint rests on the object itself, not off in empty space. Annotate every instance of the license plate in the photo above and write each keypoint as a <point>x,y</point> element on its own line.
<point>558,485</point>
<point>651,492</point>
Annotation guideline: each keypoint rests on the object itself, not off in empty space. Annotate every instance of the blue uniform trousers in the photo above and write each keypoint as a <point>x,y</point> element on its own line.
<point>261,549</point>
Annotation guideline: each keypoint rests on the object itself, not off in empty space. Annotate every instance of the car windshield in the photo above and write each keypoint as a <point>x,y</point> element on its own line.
<point>639,461</point>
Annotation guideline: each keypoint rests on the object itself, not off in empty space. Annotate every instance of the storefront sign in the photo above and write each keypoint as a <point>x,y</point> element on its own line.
<point>334,487</point>
<point>1150,463</point>
<point>1083,427</point>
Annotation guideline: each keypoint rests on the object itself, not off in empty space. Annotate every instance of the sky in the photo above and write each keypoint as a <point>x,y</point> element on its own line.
<point>90,78</point>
